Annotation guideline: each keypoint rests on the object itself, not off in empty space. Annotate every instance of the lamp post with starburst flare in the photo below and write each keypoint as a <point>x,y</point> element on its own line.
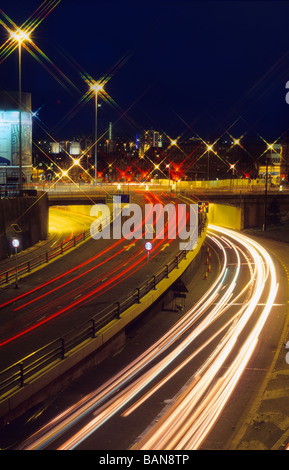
<point>95,88</point>
<point>20,36</point>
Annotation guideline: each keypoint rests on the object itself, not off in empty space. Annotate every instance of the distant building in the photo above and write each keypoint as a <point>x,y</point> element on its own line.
<point>150,138</point>
<point>277,169</point>
<point>10,135</point>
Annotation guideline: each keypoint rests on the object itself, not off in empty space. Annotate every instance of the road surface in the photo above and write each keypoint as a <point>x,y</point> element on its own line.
<point>204,354</point>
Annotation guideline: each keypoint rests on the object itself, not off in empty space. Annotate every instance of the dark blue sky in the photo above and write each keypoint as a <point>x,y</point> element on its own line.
<point>183,67</point>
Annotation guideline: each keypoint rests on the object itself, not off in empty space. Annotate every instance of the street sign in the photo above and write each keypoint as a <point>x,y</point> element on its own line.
<point>15,243</point>
<point>148,247</point>
<point>203,207</point>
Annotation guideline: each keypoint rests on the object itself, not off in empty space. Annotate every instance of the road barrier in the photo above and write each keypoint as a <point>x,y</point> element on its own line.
<point>42,259</point>
<point>8,275</point>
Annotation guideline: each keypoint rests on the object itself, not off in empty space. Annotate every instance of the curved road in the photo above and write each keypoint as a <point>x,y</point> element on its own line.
<point>76,287</point>
<point>204,354</point>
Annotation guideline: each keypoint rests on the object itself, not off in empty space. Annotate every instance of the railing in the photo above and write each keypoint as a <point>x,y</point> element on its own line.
<point>6,193</point>
<point>15,376</point>
<point>26,267</point>
<point>33,263</point>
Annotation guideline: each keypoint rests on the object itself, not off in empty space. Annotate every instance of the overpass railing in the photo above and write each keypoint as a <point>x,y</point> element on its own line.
<point>33,365</point>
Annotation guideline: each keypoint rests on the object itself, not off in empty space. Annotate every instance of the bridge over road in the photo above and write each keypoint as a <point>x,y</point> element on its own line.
<point>245,210</point>
<point>231,209</point>
<point>75,198</point>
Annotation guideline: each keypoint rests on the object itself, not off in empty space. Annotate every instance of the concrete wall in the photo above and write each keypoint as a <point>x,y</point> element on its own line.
<point>30,213</point>
<point>249,211</point>
<point>226,216</point>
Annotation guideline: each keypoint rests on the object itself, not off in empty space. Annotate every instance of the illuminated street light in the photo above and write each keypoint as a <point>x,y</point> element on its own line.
<point>168,165</point>
<point>266,193</point>
<point>232,167</point>
<point>76,161</point>
<point>95,88</point>
<point>20,36</point>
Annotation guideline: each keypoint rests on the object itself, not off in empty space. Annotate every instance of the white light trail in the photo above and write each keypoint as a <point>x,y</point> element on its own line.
<point>188,422</point>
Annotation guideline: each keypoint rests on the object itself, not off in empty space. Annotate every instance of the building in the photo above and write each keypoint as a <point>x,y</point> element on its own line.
<point>150,138</point>
<point>276,163</point>
<point>10,119</point>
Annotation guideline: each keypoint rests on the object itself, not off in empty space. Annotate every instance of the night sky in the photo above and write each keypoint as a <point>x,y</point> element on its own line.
<point>183,67</point>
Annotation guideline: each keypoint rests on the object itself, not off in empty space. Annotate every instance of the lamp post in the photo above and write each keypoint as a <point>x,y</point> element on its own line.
<point>15,244</point>
<point>169,167</point>
<point>209,147</point>
<point>20,36</point>
<point>95,88</point>
<point>266,191</point>
<point>20,123</point>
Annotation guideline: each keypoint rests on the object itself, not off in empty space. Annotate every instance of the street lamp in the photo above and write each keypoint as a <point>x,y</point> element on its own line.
<point>95,88</point>
<point>209,148</point>
<point>232,167</point>
<point>266,194</point>
<point>169,167</point>
<point>269,147</point>
<point>20,36</point>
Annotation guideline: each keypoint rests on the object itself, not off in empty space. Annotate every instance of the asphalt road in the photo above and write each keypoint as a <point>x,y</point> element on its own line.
<point>254,411</point>
<point>139,338</point>
<point>222,345</point>
<point>62,296</point>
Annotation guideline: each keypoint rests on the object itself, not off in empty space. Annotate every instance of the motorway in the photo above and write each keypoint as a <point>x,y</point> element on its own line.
<point>173,393</point>
<point>184,381</point>
<point>76,287</point>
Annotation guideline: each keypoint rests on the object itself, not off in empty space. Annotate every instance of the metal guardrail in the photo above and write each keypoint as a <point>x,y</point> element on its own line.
<point>26,267</point>
<point>15,376</point>
<point>9,193</point>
